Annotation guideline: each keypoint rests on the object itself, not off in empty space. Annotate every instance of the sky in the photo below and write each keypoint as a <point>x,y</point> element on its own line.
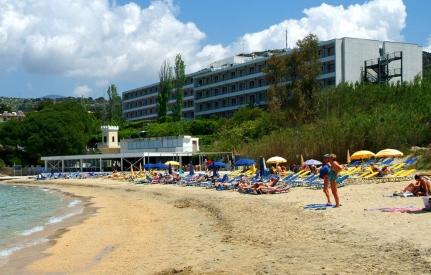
<point>80,47</point>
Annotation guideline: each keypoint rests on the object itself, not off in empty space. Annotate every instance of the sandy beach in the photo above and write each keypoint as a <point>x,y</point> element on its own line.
<point>163,229</point>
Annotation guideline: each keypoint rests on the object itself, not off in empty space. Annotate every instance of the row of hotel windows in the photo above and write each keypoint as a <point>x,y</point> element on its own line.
<point>327,67</point>
<point>252,99</point>
<point>326,51</point>
<point>149,101</point>
<point>231,74</point>
<point>153,111</point>
<point>155,89</point>
<point>231,88</point>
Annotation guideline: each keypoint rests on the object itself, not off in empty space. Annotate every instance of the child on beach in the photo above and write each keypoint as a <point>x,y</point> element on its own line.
<point>323,174</point>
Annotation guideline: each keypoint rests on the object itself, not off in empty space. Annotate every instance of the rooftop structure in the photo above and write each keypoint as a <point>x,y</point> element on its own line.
<point>6,116</point>
<point>109,142</point>
<point>238,81</point>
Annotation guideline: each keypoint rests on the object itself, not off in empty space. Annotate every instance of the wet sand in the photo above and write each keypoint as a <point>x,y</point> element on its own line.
<point>159,229</point>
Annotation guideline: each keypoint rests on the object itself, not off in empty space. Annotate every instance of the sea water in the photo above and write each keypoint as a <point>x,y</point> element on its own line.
<point>25,211</point>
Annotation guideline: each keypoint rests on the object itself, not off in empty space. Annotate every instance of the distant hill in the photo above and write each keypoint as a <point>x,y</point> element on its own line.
<point>53,97</point>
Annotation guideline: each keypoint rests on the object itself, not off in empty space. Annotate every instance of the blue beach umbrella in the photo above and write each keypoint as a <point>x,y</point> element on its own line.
<point>149,166</point>
<point>160,166</point>
<point>217,164</point>
<point>244,162</point>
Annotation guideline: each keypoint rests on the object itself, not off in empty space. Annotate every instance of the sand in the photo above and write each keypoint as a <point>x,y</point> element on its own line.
<point>160,229</point>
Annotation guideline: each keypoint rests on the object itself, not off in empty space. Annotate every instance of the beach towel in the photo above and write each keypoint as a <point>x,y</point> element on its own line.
<point>396,209</point>
<point>318,206</point>
<point>403,194</point>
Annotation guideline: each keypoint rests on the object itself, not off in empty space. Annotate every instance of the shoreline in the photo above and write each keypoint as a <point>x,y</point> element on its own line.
<point>31,242</point>
<point>162,229</point>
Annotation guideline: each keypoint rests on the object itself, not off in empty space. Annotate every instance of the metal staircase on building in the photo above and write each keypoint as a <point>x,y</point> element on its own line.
<point>377,70</point>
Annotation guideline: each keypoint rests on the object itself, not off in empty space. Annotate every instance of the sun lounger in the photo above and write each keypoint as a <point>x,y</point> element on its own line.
<point>371,175</point>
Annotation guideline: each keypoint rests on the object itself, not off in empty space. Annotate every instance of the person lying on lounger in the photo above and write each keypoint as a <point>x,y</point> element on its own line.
<point>422,186</point>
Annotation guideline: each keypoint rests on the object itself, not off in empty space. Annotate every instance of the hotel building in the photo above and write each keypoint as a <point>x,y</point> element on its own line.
<point>229,84</point>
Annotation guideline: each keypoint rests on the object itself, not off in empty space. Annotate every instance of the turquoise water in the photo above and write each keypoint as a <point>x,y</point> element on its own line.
<point>26,210</point>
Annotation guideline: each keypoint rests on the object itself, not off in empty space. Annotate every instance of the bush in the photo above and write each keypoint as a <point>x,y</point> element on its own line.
<point>353,117</point>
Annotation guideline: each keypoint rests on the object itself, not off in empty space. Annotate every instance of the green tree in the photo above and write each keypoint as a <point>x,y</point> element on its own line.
<point>4,107</point>
<point>63,128</point>
<point>275,76</point>
<point>293,81</point>
<point>114,114</point>
<point>165,90</point>
<point>180,79</point>
<point>303,67</point>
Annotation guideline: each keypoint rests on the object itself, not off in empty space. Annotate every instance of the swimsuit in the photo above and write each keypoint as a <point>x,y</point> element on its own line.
<point>331,175</point>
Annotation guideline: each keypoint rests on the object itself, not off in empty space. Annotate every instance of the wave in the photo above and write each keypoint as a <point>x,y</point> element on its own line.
<point>73,203</point>
<point>58,219</point>
<point>32,230</point>
<point>10,250</point>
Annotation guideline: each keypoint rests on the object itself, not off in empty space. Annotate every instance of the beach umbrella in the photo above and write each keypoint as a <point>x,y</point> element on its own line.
<point>348,156</point>
<point>302,160</point>
<point>386,153</point>
<point>173,163</point>
<point>244,162</point>
<point>140,167</point>
<point>262,166</point>
<point>160,166</point>
<point>314,162</point>
<point>276,160</point>
<point>149,166</point>
<point>216,164</point>
<point>363,154</point>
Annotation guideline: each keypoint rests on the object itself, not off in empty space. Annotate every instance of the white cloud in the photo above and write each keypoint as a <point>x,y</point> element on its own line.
<point>92,38</point>
<point>101,40</point>
<point>82,90</point>
<point>378,19</point>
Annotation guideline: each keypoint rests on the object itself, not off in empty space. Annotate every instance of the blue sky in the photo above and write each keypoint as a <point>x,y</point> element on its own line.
<point>79,47</point>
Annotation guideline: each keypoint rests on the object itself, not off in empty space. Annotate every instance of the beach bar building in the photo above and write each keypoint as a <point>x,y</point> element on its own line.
<point>127,154</point>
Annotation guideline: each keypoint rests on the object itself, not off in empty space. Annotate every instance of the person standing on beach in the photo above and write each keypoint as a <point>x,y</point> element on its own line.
<point>332,176</point>
<point>323,174</point>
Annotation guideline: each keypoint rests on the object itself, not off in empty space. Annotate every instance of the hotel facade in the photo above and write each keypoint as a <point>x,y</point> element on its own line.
<point>229,84</point>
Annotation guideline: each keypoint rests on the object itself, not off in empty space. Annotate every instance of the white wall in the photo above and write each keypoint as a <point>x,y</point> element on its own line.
<point>412,59</point>
<point>354,52</point>
<point>338,61</point>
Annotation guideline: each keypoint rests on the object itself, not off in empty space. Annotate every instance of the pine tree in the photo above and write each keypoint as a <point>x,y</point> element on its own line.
<point>165,89</point>
<point>180,79</point>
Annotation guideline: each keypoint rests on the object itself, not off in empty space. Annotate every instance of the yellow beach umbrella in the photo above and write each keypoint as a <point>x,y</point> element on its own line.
<point>276,160</point>
<point>387,153</point>
<point>173,163</point>
<point>363,154</point>
<point>131,171</point>
<point>140,167</point>
<point>348,156</point>
<point>302,160</point>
